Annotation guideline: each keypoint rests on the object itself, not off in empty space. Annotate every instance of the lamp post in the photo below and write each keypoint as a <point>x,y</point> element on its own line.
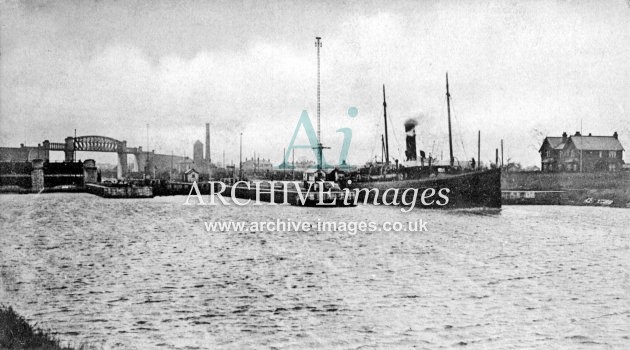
<point>240,159</point>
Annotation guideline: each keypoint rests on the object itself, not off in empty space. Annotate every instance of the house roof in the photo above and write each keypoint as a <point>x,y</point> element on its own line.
<point>597,143</point>
<point>554,142</point>
<point>190,171</point>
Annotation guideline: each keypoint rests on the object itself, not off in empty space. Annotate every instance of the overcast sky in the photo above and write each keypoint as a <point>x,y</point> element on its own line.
<point>517,71</point>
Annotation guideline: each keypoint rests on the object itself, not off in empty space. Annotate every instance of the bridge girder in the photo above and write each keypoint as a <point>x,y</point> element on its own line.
<point>93,143</point>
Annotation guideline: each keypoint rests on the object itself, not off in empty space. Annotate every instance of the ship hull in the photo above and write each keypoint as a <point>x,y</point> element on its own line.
<point>337,199</point>
<point>478,189</point>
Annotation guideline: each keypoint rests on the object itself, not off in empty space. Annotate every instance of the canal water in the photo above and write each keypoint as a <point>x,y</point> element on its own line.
<point>138,274</point>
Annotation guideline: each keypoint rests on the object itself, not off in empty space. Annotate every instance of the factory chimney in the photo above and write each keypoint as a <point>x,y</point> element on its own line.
<point>208,143</point>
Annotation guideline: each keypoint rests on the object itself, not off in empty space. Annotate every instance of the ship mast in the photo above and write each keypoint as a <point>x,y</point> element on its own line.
<point>448,107</point>
<point>385,117</point>
<point>382,148</point>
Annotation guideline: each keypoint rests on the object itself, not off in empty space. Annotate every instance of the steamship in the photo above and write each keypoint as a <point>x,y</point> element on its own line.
<point>467,188</point>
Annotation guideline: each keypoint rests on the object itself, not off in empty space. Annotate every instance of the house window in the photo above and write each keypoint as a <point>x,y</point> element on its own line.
<point>600,154</point>
<point>611,154</point>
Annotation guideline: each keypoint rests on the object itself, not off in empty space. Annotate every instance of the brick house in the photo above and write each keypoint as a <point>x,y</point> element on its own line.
<point>581,153</point>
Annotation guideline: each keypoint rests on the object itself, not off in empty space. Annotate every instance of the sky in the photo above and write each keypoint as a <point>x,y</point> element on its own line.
<point>518,71</point>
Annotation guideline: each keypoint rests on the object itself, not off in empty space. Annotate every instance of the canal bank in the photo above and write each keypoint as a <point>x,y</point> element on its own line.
<point>583,189</point>
<point>17,333</point>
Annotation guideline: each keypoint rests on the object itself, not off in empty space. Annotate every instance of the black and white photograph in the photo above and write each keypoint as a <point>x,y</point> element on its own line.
<point>275,174</point>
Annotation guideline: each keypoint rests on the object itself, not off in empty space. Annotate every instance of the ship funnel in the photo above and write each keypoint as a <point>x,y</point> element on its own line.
<point>410,130</point>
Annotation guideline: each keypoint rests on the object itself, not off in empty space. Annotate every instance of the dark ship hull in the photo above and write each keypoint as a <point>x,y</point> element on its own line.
<point>477,189</point>
<point>336,198</point>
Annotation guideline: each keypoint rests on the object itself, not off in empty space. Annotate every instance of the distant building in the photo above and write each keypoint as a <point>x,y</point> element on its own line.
<point>201,161</point>
<point>304,164</point>
<point>257,164</point>
<point>191,175</point>
<point>581,153</point>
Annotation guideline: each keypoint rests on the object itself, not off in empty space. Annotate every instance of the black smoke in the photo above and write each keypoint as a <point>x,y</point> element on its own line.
<point>410,124</point>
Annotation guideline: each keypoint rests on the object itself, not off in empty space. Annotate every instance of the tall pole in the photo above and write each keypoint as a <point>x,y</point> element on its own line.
<point>386,136</point>
<point>478,149</point>
<point>240,159</point>
<point>581,150</point>
<point>496,157</point>
<point>318,44</point>
<point>501,153</point>
<point>170,172</point>
<point>146,167</point>
<point>320,147</point>
<point>448,107</point>
<point>293,163</point>
<point>74,146</point>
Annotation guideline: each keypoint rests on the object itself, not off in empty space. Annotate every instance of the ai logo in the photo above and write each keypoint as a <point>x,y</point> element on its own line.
<point>305,123</point>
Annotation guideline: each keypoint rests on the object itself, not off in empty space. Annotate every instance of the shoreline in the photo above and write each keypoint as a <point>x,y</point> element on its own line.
<point>17,333</point>
<point>593,197</point>
<point>571,189</point>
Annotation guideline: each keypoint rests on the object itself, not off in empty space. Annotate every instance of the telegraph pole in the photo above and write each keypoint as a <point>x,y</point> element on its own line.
<point>501,153</point>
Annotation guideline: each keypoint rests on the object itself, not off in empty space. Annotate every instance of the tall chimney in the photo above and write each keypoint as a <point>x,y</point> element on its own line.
<point>208,143</point>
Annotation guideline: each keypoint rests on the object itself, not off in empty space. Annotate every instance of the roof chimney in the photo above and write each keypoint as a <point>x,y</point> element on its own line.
<point>564,136</point>
<point>615,135</point>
